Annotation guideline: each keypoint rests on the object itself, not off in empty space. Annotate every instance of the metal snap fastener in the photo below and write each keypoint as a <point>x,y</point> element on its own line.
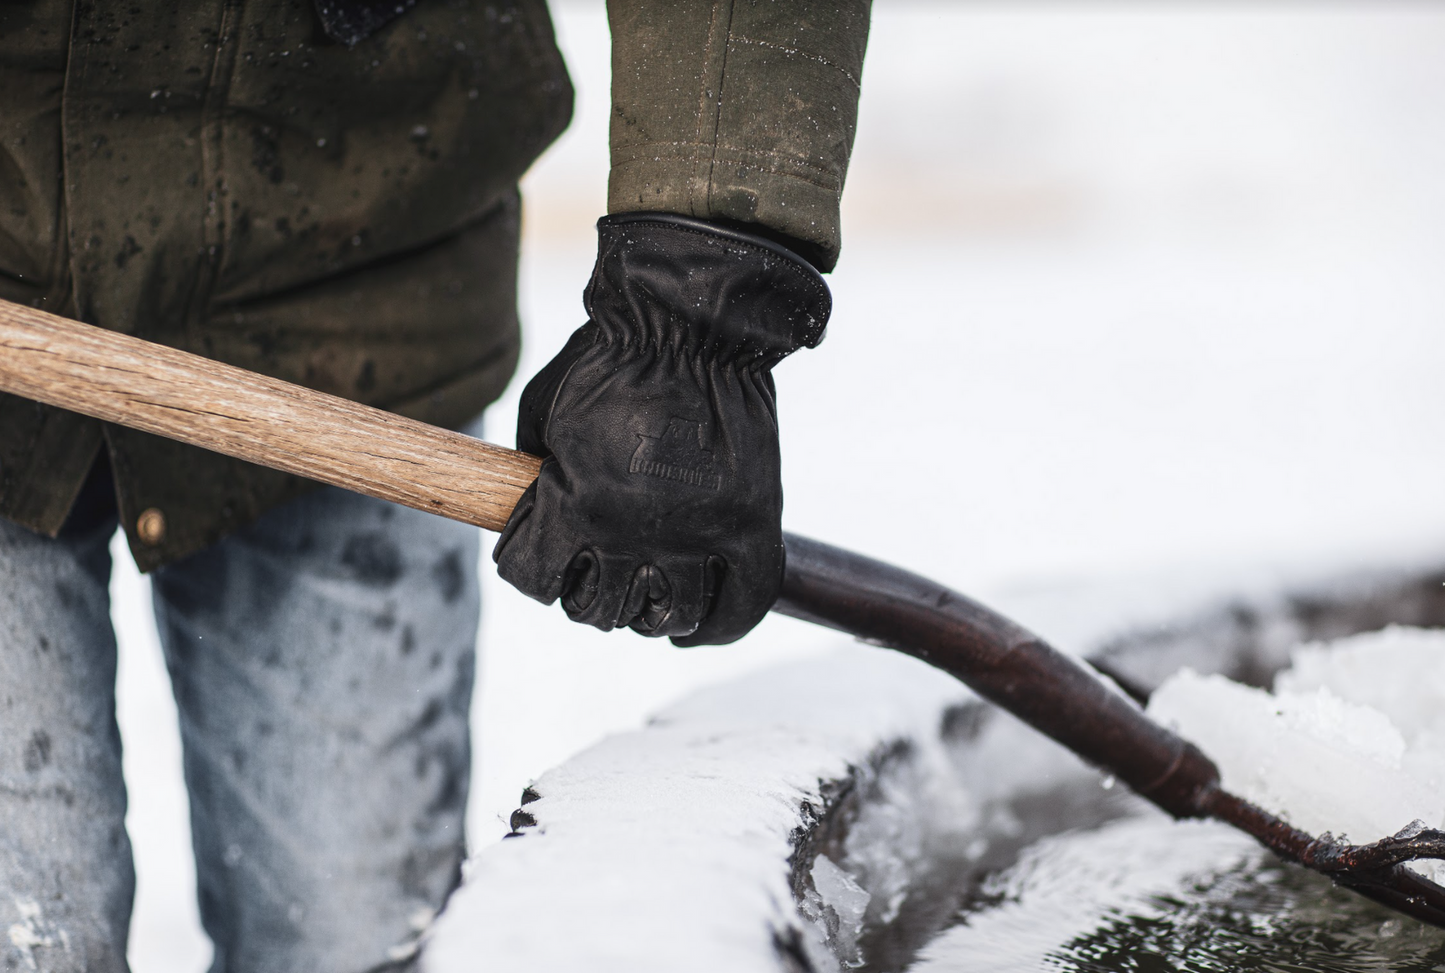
<point>150,526</point>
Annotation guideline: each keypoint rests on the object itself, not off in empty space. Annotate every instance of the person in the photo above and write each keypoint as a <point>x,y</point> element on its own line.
<point>327,192</point>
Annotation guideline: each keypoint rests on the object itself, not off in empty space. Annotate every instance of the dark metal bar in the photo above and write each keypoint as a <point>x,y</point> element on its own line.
<point>1059,696</point>
<point>1374,870</point>
<point>1001,661</point>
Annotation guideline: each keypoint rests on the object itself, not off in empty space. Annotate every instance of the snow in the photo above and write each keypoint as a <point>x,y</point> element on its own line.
<point>1347,743</point>
<point>667,848</point>
<point>1398,671</point>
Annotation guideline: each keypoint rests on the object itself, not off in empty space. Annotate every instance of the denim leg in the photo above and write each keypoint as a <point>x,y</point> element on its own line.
<point>322,662</point>
<point>66,879</point>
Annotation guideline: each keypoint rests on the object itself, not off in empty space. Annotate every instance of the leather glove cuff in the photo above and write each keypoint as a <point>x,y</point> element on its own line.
<point>665,280</point>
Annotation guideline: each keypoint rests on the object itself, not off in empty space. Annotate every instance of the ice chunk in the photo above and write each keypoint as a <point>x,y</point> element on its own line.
<point>1348,743</point>
<point>842,901</point>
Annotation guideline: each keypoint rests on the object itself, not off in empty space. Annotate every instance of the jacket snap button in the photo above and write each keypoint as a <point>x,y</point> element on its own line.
<point>150,526</point>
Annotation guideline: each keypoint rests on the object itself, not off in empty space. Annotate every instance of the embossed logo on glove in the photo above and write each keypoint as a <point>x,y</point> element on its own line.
<point>677,454</point>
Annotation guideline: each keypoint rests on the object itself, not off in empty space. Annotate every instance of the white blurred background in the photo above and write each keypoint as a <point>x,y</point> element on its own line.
<point>1125,288</point>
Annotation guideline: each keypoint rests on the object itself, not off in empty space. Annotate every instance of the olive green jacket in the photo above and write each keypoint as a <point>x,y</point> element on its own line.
<point>224,177</point>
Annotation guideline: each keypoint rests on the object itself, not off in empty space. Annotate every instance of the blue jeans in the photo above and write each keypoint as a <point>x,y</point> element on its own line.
<point>322,663</point>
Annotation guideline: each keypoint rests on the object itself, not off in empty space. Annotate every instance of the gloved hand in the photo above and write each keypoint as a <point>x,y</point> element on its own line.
<point>659,505</point>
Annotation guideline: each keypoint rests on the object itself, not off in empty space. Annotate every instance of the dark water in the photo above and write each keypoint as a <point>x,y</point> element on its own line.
<point>1149,895</point>
<point>1267,917</point>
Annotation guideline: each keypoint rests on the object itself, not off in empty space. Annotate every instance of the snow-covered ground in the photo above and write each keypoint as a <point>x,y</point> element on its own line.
<point>1125,288</point>
<point>876,789</point>
<point>667,848</point>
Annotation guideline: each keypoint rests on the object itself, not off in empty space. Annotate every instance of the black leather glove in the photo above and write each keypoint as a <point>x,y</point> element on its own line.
<point>660,501</point>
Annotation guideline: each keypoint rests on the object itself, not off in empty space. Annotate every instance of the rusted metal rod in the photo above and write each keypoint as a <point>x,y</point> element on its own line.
<point>1059,696</point>
<point>1003,662</point>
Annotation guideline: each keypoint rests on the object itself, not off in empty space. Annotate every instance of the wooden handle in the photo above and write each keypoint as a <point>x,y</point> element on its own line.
<point>263,420</point>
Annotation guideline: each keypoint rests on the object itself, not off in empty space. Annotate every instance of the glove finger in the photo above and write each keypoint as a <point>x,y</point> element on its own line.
<point>736,605</point>
<point>579,586</point>
<point>672,596</point>
<point>704,592</point>
<point>648,602</point>
<point>596,589</point>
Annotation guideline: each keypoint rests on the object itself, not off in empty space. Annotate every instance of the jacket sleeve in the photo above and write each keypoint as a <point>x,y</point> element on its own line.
<point>738,110</point>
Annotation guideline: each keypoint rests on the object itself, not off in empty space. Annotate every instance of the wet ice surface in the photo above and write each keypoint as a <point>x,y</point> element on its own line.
<point>1149,894</point>
<point>1350,743</point>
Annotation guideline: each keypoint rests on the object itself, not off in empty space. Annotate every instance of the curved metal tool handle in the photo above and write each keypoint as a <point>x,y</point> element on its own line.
<point>1060,697</point>
<point>205,403</point>
<point>1002,662</point>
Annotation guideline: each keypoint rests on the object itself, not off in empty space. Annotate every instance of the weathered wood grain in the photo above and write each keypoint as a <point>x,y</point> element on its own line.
<point>263,420</point>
